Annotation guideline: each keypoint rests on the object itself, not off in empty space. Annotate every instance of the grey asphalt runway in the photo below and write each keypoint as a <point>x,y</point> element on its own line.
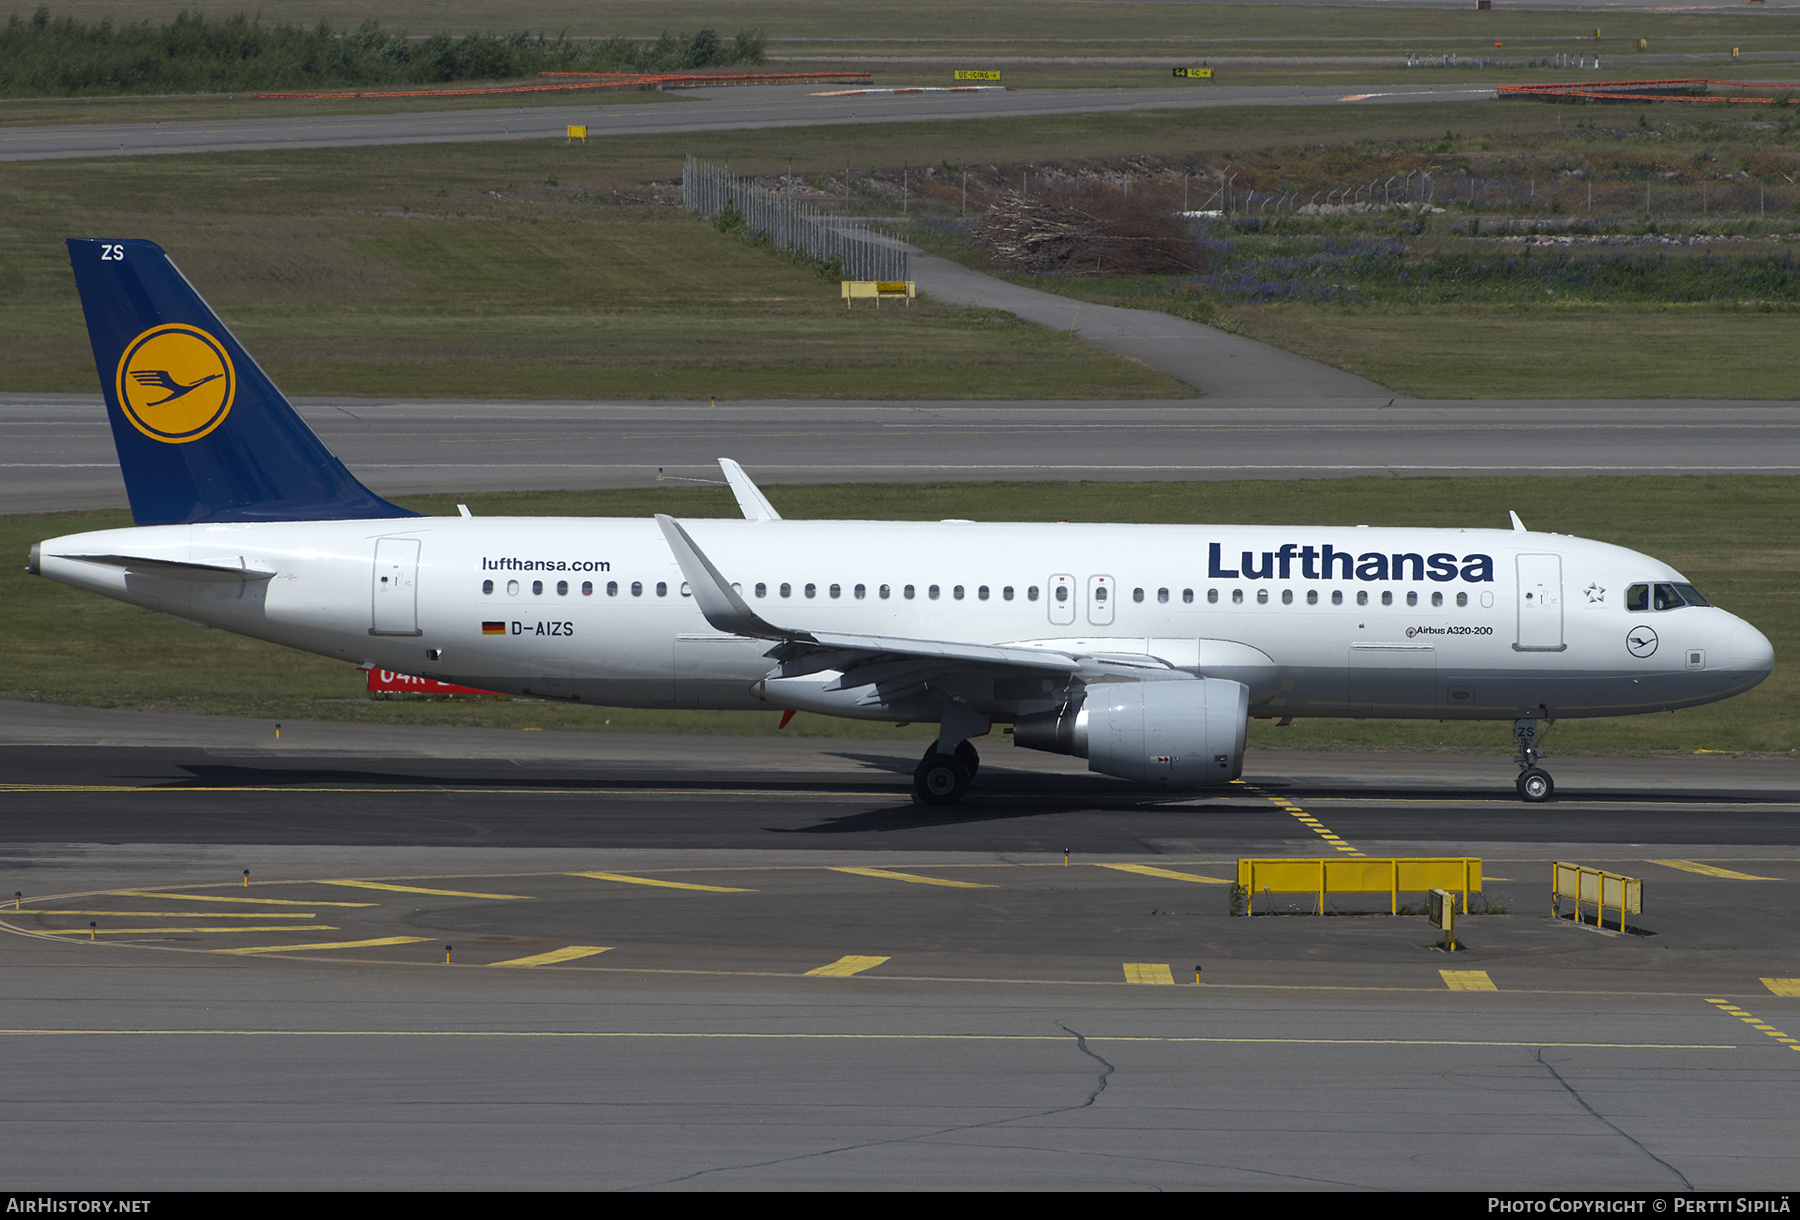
<point>58,451</point>
<point>927,999</point>
<point>697,110</point>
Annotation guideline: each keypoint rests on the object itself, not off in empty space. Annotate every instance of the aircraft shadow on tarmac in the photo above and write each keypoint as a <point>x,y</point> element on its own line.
<point>1001,792</point>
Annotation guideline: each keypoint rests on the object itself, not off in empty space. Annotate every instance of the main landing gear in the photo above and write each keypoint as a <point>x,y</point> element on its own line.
<point>942,779</point>
<point>1534,783</point>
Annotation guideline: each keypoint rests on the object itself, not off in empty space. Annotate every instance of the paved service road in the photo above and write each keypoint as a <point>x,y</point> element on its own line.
<point>1221,365</point>
<point>698,110</point>
<point>58,452</point>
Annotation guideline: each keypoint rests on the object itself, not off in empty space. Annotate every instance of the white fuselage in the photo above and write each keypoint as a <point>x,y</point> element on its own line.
<point>1316,621</point>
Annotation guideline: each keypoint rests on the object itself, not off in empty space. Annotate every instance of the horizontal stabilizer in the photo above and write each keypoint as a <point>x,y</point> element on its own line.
<point>176,569</point>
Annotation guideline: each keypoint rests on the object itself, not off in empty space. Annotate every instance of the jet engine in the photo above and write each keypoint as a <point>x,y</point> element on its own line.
<point>1187,734</point>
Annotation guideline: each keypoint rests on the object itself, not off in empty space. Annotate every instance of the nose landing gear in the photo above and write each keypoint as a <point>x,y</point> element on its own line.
<point>1534,783</point>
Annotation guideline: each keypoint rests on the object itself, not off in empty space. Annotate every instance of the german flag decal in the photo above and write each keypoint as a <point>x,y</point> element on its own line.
<point>493,629</point>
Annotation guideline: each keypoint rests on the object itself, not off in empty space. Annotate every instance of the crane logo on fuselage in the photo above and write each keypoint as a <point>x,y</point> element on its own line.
<point>176,383</point>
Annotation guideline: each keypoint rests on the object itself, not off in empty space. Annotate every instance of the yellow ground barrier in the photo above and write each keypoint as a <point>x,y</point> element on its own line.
<point>859,289</point>
<point>1367,875</point>
<point>1581,884</point>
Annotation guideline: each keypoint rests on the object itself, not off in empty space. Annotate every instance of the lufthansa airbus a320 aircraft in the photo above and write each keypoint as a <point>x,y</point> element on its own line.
<point>1143,648</point>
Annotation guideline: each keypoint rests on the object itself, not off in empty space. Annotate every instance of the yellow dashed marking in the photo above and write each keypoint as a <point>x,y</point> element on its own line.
<point>1304,818</point>
<point>416,889</point>
<point>667,885</point>
<point>1783,986</point>
<point>844,967</point>
<point>1708,870</point>
<point>327,945</point>
<point>1468,980</point>
<point>1167,874</point>
<point>893,876</point>
<point>1147,972</point>
<point>571,954</point>
<point>304,927</point>
<point>266,902</point>
<point>1757,1022</point>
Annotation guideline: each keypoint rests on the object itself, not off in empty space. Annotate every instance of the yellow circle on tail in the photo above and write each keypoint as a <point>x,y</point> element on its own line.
<point>176,383</point>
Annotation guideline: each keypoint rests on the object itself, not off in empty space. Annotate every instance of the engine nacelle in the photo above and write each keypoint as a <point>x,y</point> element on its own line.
<point>1187,734</point>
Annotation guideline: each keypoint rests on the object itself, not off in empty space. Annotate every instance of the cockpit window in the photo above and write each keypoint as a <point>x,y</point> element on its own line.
<point>1670,596</point>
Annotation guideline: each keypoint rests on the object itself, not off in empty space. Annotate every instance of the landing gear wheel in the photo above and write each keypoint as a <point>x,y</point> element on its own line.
<point>970,760</point>
<point>1535,786</point>
<point>940,779</point>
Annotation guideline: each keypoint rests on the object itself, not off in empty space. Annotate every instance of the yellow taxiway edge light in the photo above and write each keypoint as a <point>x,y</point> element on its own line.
<point>1468,980</point>
<point>893,876</point>
<point>325,945</point>
<point>1168,874</point>
<point>269,902</point>
<point>1148,972</point>
<point>569,954</point>
<point>844,967</point>
<point>416,889</point>
<point>1783,986</point>
<point>1708,870</point>
<point>667,885</point>
<point>303,927</point>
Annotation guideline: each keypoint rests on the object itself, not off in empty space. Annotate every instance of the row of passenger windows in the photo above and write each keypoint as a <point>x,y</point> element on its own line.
<point>983,593</point>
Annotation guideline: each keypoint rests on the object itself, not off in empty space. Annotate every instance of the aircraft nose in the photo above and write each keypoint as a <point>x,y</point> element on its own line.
<point>1751,651</point>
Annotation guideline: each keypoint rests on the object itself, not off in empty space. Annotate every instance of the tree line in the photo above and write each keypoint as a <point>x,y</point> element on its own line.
<point>63,57</point>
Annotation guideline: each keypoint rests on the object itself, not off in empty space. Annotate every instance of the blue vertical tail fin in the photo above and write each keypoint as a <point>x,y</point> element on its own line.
<point>202,433</point>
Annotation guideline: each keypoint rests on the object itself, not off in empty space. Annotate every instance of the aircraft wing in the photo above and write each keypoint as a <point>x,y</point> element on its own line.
<point>877,658</point>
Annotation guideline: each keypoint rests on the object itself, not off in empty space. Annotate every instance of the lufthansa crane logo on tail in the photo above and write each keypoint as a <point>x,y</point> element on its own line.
<point>176,383</point>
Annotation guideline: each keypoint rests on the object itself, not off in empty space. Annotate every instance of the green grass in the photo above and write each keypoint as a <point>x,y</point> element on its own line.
<point>1577,351</point>
<point>76,648</point>
<point>499,271</point>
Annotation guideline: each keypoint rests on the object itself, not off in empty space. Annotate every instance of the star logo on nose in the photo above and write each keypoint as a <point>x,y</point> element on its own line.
<point>1595,593</point>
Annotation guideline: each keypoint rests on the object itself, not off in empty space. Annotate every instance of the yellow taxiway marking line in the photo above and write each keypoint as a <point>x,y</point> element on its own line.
<point>271,902</point>
<point>569,954</point>
<point>173,914</point>
<point>844,967</point>
<point>1168,874</point>
<point>889,875</point>
<point>828,1037</point>
<point>1468,980</point>
<point>340,944</point>
<point>1757,1023</point>
<point>667,885</point>
<point>1148,972</point>
<point>1708,870</point>
<point>291,927</point>
<point>415,889</point>
<point>210,790</point>
<point>1304,818</point>
<point>1783,986</point>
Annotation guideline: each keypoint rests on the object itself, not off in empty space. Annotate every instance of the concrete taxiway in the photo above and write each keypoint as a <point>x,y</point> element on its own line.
<point>694,110</point>
<point>59,452</point>
<point>706,963</point>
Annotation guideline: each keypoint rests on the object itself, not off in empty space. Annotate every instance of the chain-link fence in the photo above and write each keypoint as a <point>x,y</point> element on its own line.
<point>862,253</point>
